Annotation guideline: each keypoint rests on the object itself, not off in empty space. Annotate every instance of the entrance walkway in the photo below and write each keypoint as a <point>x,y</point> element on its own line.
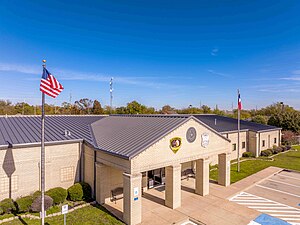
<point>213,209</point>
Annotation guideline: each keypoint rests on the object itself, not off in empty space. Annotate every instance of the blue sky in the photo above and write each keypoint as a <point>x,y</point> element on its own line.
<point>159,52</point>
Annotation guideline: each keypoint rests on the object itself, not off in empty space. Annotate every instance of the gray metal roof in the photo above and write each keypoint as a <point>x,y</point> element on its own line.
<point>27,129</point>
<point>122,135</point>
<point>129,135</point>
<point>227,124</point>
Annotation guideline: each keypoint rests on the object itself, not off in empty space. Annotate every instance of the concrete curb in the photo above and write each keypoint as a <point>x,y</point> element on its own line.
<point>30,216</point>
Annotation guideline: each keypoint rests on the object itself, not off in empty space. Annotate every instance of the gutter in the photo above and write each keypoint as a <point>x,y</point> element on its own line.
<point>37,144</point>
<point>274,129</point>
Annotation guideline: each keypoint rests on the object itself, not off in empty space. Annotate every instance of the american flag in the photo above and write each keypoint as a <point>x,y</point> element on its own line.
<point>49,85</point>
<point>239,102</point>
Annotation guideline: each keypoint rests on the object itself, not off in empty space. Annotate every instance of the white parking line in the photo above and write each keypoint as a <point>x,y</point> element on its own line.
<point>287,176</point>
<point>284,192</point>
<point>293,185</point>
<point>276,209</point>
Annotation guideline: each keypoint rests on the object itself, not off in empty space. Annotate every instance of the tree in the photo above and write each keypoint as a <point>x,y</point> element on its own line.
<point>287,121</point>
<point>24,108</point>
<point>66,108</point>
<point>97,108</point>
<point>166,109</point>
<point>189,110</point>
<point>6,107</point>
<point>244,114</point>
<point>121,110</point>
<point>260,119</point>
<point>84,105</point>
<point>205,109</point>
<point>289,137</point>
<point>136,108</point>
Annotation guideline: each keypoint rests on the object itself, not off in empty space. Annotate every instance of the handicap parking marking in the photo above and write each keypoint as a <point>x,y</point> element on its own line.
<point>272,208</point>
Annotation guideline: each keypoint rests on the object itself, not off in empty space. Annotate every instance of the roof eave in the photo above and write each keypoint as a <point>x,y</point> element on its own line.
<point>36,144</point>
<point>210,128</point>
<point>272,129</point>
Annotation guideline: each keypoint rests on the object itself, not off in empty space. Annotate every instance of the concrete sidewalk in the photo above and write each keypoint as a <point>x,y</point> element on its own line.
<point>214,209</point>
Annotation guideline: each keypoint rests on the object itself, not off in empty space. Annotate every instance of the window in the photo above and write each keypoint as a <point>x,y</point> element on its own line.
<point>4,184</point>
<point>67,174</point>
<point>263,143</point>
<point>233,147</point>
<point>275,140</point>
<point>243,144</point>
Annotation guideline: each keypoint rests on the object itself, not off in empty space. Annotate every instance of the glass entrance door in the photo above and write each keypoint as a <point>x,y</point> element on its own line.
<point>156,177</point>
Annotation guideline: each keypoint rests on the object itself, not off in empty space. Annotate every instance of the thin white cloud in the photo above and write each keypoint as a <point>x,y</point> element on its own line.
<point>214,51</point>
<point>273,90</point>
<point>297,72</point>
<point>218,73</point>
<point>292,78</point>
<point>20,68</point>
<point>157,82</point>
<point>278,88</point>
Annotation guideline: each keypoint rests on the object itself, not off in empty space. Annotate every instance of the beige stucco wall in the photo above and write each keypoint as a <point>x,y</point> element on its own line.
<point>253,143</point>
<point>88,163</point>
<point>24,163</point>
<point>268,137</point>
<point>234,140</point>
<point>160,155</point>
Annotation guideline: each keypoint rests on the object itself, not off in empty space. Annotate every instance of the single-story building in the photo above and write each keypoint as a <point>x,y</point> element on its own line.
<point>129,153</point>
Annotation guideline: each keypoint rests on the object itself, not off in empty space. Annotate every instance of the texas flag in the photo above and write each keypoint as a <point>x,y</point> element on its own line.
<point>239,102</point>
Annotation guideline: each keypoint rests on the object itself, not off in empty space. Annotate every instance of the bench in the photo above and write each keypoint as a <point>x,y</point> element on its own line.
<point>116,194</point>
<point>186,174</point>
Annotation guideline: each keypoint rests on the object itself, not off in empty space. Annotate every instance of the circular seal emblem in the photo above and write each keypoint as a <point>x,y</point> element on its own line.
<point>191,134</point>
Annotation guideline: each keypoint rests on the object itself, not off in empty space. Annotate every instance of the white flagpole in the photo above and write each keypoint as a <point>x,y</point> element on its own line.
<point>238,144</point>
<point>43,156</point>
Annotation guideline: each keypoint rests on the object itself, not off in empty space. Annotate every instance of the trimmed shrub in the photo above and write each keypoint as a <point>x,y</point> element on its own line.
<point>36,205</point>
<point>277,150</point>
<point>8,205</point>
<point>36,194</point>
<point>58,195</point>
<point>23,204</point>
<point>1,211</point>
<point>248,154</point>
<point>87,191</point>
<point>288,147</point>
<point>267,152</point>
<point>75,192</point>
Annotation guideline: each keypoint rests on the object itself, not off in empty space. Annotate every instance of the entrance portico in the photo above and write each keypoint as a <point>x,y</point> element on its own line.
<point>168,153</point>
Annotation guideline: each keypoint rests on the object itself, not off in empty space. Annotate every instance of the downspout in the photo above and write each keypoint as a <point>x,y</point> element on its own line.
<point>258,144</point>
<point>95,181</point>
<point>80,162</point>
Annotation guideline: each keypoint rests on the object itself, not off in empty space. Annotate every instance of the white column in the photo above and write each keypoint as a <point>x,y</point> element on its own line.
<point>132,202</point>
<point>173,186</point>
<point>202,177</point>
<point>224,169</point>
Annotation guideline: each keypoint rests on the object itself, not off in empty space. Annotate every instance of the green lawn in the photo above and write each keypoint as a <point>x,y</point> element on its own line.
<point>288,160</point>
<point>87,215</point>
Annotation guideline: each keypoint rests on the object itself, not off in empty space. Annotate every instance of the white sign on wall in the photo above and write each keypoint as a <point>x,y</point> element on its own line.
<point>136,191</point>
<point>204,140</point>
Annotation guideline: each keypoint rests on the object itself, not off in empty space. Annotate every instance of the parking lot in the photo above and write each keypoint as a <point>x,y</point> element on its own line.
<point>278,196</point>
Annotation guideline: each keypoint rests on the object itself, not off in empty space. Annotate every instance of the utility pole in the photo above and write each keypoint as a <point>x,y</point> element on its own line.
<point>70,101</point>
<point>23,108</point>
<point>111,93</point>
